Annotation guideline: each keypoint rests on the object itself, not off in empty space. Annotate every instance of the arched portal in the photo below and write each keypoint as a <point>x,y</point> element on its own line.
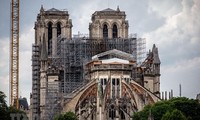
<point>105,31</point>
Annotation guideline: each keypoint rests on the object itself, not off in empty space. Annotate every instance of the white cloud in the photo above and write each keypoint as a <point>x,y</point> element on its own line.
<point>165,8</point>
<point>178,42</point>
<point>179,36</point>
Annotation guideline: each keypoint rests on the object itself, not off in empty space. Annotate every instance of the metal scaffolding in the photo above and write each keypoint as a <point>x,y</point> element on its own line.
<point>72,54</point>
<point>141,50</point>
<point>67,67</point>
<point>35,80</point>
<point>53,99</point>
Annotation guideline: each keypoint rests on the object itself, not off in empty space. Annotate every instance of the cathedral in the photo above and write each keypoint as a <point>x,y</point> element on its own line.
<point>97,76</point>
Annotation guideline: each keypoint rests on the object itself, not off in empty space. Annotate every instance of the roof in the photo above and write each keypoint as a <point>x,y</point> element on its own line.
<point>115,61</point>
<point>23,103</point>
<point>53,9</point>
<point>115,52</point>
<point>108,9</point>
<point>155,54</point>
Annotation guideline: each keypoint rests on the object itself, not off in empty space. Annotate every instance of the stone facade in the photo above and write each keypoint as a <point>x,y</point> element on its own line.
<point>114,86</point>
<point>52,23</point>
<point>151,68</point>
<point>108,23</point>
<point>111,93</point>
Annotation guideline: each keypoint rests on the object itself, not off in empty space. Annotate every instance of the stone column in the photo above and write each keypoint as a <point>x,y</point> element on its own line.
<point>109,33</point>
<point>79,112</point>
<point>46,37</point>
<point>117,111</point>
<point>63,31</point>
<point>54,42</point>
<point>89,118</point>
<point>126,32</point>
<point>119,32</point>
<point>42,93</point>
<point>120,87</point>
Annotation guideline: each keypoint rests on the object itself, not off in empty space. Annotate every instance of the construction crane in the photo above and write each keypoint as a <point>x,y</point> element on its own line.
<point>14,54</point>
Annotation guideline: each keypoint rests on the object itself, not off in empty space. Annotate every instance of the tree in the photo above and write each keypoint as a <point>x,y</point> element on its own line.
<point>67,116</point>
<point>3,107</point>
<point>174,115</point>
<point>142,115</point>
<point>166,116</point>
<point>159,109</point>
<point>5,111</point>
<point>190,108</point>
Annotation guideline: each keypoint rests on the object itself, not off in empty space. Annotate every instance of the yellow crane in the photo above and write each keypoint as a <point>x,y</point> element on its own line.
<point>14,54</point>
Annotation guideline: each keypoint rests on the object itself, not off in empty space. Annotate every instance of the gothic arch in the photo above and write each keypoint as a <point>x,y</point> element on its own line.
<point>50,21</point>
<point>49,36</point>
<point>107,23</point>
<point>114,31</point>
<point>60,22</point>
<point>59,28</point>
<point>105,31</point>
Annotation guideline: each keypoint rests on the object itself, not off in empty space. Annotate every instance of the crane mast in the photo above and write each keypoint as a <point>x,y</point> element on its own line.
<point>14,54</point>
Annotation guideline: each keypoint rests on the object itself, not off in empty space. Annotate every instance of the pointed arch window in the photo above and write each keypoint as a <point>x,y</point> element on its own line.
<point>49,38</point>
<point>58,29</point>
<point>112,112</point>
<point>114,31</point>
<point>105,31</point>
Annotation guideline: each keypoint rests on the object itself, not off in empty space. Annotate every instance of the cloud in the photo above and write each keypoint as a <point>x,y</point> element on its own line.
<point>4,74</point>
<point>186,73</point>
<point>25,70</point>
<point>26,40</point>
<point>165,8</point>
<point>178,42</point>
<point>178,38</point>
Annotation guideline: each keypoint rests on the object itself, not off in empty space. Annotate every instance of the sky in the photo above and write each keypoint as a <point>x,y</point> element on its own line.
<point>173,25</point>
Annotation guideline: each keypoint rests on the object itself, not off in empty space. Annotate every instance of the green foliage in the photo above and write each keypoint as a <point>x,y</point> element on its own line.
<point>143,114</point>
<point>67,116</point>
<point>159,109</point>
<point>174,115</point>
<point>6,111</point>
<point>166,116</point>
<point>3,107</point>
<point>2,100</point>
<point>187,108</point>
<point>189,118</point>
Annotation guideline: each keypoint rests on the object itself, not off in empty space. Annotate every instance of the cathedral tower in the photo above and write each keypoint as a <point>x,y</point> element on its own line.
<point>53,23</point>
<point>109,24</point>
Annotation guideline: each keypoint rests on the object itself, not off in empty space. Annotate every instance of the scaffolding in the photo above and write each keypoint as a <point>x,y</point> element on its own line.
<point>141,50</point>
<point>53,99</point>
<point>73,53</point>
<point>35,80</point>
<point>68,63</point>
